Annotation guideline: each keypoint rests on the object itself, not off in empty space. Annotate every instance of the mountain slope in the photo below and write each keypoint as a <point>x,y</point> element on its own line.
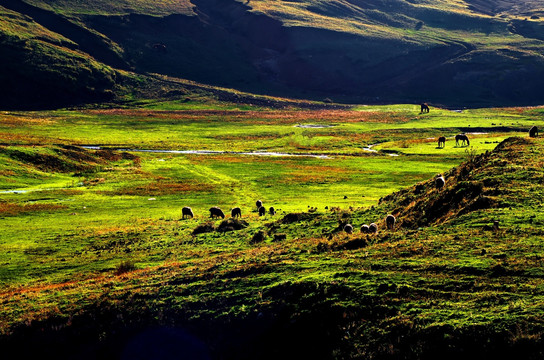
<point>455,53</point>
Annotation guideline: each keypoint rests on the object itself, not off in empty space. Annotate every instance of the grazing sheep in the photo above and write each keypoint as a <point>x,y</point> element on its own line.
<point>262,211</point>
<point>216,212</point>
<point>258,237</point>
<point>441,141</point>
<point>533,132</point>
<point>272,211</point>
<point>373,228</point>
<point>236,212</point>
<point>186,211</point>
<point>280,237</point>
<point>365,229</point>
<point>424,108</point>
<point>390,222</point>
<point>259,203</point>
<point>439,182</point>
<point>463,138</point>
<point>348,228</point>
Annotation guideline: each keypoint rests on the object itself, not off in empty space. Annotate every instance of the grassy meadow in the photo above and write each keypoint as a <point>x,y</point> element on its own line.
<point>87,233</point>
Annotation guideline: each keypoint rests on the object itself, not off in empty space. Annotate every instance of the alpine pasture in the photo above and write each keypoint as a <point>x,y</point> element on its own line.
<point>93,240</point>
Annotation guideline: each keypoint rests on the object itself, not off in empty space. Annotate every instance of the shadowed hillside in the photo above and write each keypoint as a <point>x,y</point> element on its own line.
<point>464,53</point>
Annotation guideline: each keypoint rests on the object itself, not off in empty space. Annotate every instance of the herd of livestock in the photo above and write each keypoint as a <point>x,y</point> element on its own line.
<point>236,212</point>
<point>439,181</point>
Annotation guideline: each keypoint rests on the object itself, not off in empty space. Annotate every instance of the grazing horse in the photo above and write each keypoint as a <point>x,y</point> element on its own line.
<point>533,132</point>
<point>424,108</point>
<point>441,141</point>
<point>463,139</point>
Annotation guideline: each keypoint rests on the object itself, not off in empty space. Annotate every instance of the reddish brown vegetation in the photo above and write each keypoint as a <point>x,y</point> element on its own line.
<point>259,117</point>
<point>11,209</point>
<point>316,174</point>
<point>160,188</point>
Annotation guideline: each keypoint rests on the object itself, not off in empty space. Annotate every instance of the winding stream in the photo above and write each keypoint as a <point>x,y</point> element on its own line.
<point>204,152</point>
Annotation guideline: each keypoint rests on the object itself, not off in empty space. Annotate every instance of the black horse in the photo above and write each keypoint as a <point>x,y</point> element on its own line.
<point>441,141</point>
<point>424,108</point>
<point>463,139</point>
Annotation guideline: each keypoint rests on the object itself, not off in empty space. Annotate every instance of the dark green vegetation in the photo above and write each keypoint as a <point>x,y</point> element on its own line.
<point>455,53</point>
<point>96,262</point>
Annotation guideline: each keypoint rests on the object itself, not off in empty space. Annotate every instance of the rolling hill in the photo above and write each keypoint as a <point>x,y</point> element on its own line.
<point>455,53</point>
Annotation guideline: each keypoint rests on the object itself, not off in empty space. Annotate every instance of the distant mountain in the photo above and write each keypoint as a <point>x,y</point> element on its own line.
<point>453,53</point>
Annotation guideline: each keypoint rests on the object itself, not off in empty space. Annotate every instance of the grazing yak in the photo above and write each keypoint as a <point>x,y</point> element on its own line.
<point>186,211</point>
<point>390,221</point>
<point>272,211</point>
<point>236,212</point>
<point>372,228</point>
<point>216,212</point>
<point>259,203</point>
<point>365,229</point>
<point>348,228</point>
<point>533,132</point>
<point>441,141</point>
<point>463,138</point>
<point>262,211</point>
<point>424,108</point>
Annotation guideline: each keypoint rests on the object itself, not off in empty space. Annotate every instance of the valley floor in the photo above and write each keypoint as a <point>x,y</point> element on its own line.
<point>96,260</point>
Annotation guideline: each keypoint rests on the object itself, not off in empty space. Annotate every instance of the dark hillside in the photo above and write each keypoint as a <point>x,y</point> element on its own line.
<point>484,53</point>
<point>45,68</point>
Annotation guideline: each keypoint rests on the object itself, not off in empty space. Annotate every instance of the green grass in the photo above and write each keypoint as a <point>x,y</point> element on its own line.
<point>85,215</point>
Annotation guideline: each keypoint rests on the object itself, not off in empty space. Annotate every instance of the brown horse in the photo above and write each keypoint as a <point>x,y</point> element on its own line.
<point>441,141</point>
<point>463,138</point>
<point>424,108</point>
